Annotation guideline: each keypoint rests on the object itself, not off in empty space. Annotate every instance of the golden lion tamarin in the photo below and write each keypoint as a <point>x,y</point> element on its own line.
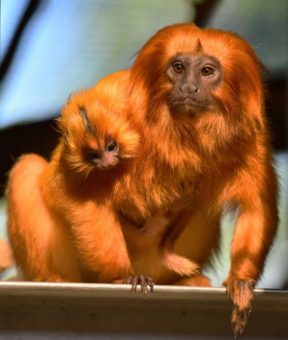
<point>55,208</point>
<point>195,99</point>
<point>198,95</point>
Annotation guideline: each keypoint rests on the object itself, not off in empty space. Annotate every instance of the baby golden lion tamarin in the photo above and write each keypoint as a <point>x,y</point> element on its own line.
<point>61,221</point>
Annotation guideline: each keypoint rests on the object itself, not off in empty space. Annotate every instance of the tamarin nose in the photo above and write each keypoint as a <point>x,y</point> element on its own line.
<point>189,87</point>
<point>94,156</point>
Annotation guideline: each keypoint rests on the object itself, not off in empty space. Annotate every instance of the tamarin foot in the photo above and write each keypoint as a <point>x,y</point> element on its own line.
<point>144,282</point>
<point>241,294</point>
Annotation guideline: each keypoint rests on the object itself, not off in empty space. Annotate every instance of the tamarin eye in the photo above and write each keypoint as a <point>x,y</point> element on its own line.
<point>177,67</point>
<point>207,71</point>
<point>112,146</point>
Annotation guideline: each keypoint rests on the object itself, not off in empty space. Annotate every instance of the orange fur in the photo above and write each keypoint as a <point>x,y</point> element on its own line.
<point>55,209</point>
<point>5,256</point>
<point>160,215</point>
<point>218,158</point>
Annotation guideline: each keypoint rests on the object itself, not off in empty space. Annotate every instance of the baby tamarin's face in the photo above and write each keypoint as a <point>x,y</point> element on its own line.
<point>104,156</point>
<point>94,137</point>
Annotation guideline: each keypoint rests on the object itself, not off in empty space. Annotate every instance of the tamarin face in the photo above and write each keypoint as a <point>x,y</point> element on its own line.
<point>101,150</point>
<point>193,79</point>
<point>104,156</point>
<point>193,71</point>
<point>94,137</point>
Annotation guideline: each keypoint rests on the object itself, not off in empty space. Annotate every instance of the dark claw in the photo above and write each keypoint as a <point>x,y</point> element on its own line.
<point>239,320</point>
<point>143,281</point>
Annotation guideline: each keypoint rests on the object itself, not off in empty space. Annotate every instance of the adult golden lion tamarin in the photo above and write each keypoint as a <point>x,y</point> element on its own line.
<point>194,98</point>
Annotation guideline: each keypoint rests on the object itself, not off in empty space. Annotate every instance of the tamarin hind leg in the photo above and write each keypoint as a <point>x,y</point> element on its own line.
<point>31,229</point>
<point>199,280</point>
<point>5,256</point>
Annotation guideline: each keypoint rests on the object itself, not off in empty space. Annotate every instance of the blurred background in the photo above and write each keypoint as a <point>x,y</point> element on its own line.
<point>50,48</point>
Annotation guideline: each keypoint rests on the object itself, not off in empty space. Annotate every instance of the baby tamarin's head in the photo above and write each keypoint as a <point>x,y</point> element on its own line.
<point>95,136</point>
